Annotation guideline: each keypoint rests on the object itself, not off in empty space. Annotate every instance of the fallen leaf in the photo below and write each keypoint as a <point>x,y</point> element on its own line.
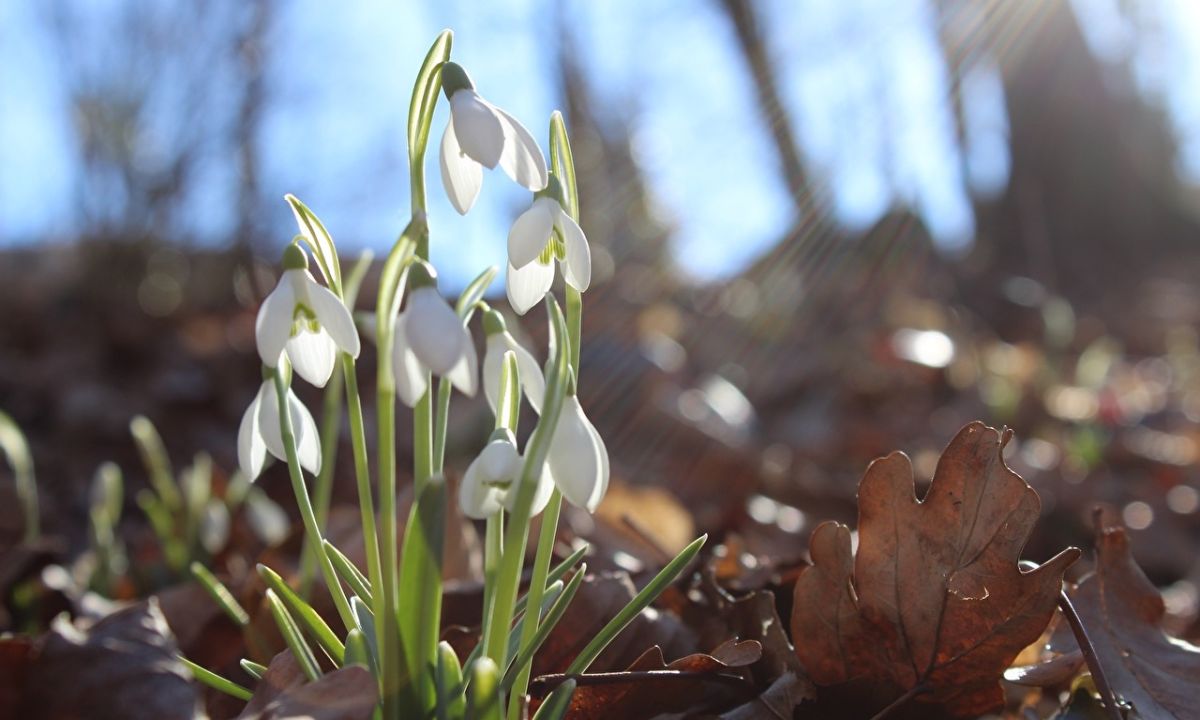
<point>346,694</point>
<point>1122,611</point>
<point>695,682</point>
<point>934,605</point>
<point>124,666</point>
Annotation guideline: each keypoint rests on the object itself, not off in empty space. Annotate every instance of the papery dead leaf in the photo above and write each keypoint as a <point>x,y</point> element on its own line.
<point>1122,612</point>
<point>346,694</point>
<point>934,603</point>
<point>695,686</point>
<point>124,666</point>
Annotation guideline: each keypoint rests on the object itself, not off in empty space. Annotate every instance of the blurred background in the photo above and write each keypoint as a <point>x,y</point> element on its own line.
<point>822,231</point>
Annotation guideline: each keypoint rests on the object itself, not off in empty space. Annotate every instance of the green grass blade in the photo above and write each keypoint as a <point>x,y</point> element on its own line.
<point>420,598</point>
<point>305,616</point>
<point>253,669</point>
<point>220,594</point>
<point>640,602</point>
<point>291,635</point>
<point>215,681</point>
<point>16,449</point>
<point>158,464</point>
<point>557,705</point>
<point>349,573</point>
<point>365,620</point>
<point>553,615</point>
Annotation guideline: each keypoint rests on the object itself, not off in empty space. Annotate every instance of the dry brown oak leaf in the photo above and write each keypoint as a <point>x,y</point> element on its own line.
<point>1122,612</point>
<point>933,608</point>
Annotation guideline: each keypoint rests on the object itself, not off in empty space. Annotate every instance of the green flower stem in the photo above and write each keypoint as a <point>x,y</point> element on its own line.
<point>331,417</point>
<point>362,472</point>
<point>493,549</point>
<point>391,659</point>
<point>306,509</point>
<point>440,423</point>
<point>517,533</point>
<point>215,681</point>
<point>541,568</point>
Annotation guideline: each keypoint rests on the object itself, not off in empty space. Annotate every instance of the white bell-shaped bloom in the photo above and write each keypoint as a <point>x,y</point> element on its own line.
<point>481,135</point>
<point>500,341</point>
<point>492,478</point>
<point>541,234</point>
<point>261,432</point>
<point>578,460</point>
<point>305,319</point>
<point>430,337</point>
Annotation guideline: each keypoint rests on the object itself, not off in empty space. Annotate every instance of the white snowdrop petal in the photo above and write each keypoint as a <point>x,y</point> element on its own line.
<point>527,286</point>
<point>335,317</point>
<point>465,373</point>
<point>461,176</point>
<point>602,455</point>
<point>268,421</point>
<point>273,326</point>
<point>476,499</point>
<point>521,159</point>
<point>252,451</point>
<point>531,232</point>
<point>499,461</point>
<point>304,430</point>
<point>478,128</point>
<point>434,331</point>
<point>541,495</point>
<point>532,381</point>
<point>312,355</point>
<point>574,462</point>
<point>409,374</point>
<point>577,270</point>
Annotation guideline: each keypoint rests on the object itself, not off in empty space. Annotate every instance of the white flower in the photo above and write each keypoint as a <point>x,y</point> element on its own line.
<point>261,432</point>
<point>490,480</point>
<point>578,460</point>
<point>541,234</point>
<point>430,337</point>
<point>500,341</point>
<point>480,135</point>
<point>307,320</point>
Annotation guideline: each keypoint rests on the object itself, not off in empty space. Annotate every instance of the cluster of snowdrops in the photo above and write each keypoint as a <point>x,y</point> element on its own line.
<point>307,329</point>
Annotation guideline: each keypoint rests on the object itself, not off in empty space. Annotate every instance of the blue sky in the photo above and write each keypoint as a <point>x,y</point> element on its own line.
<point>863,79</point>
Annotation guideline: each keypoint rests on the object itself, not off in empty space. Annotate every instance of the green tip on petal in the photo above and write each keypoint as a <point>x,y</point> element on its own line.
<point>454,78</point>
<point>422,274</point>
<point>294,258</point>
<point>493,323</point>
<point>553,190</point>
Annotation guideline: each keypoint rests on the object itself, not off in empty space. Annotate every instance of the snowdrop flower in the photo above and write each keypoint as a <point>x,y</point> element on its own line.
<point>540,235</point>
<point>261,432</point>
<point>430,337</point>
<point>490,480</point>
<point>499,341</point>
<point>306,320</point>
<point>578,460</point>
<point>480,135</point>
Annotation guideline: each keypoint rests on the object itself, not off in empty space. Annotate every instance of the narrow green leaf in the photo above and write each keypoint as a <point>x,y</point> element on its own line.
<point>424,94</point>
<point>16,449</point>
<point>291,635</point>
<point>562,162</point>
<point>420,597</point>
<point>553,615</point>
<point>483,694</point>
<point>640,602</point>
<point>160,521</point>
<point>305,616</point>
<point>215,681</point>
<point>108,492</point>
<point>253,669</point>
<point>319,240</point>
<point>365,620</point>
<point>556,706</point>
<point>158,464</point>
<point>474,292</point>
<point>220,594</point>
<point>450,687</point>
<point>349,573</point>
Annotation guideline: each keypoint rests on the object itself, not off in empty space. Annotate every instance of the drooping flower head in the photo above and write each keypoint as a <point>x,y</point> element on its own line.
<point>261,432</point>
<point>305,319</point>
<point>499,341</point>
<point>541,235</point>
<point>493,477</point>
<point>430,337</point>
<point>481,135</point>
<point>578,459</point>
